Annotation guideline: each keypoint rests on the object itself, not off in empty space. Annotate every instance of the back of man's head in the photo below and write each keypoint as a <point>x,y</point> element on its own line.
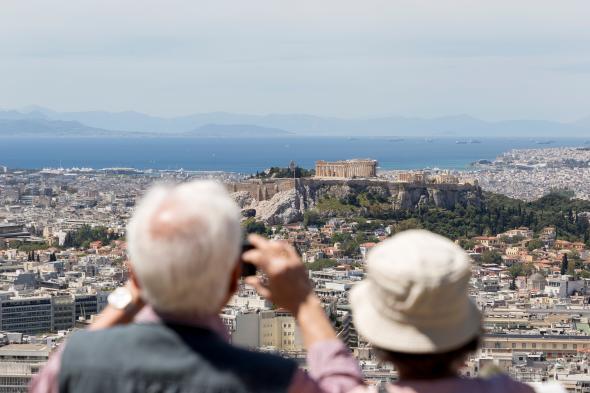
<point>183,244</point>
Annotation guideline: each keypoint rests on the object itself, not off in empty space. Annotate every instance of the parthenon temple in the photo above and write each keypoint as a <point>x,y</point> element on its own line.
<point>346,169</point>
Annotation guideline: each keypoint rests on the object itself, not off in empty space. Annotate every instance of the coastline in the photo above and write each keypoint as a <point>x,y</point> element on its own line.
<point>248,155</point>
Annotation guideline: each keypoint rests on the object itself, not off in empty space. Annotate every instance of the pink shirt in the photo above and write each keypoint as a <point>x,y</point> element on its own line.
<point>332,369</point>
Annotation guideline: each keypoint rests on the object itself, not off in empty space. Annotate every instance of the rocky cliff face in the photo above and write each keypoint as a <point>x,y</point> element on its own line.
<point>400,195</point>
<point>282,208</point>
<point>411,197</point>
<point>288,206</point>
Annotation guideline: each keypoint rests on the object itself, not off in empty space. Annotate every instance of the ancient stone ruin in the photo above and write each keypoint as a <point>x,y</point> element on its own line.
<point>348,169</point>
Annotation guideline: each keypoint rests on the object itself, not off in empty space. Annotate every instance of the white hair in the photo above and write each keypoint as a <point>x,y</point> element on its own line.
<point>183,243</point>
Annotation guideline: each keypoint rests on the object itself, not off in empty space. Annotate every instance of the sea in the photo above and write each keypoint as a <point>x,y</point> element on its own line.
<point>248,155</point>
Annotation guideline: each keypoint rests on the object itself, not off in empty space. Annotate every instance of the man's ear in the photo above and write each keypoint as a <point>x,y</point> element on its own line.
<point>235,278</point>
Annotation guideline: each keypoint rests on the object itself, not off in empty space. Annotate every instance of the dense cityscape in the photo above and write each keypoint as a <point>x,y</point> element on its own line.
<point>302,197</point>
<point>63,250</point>
<point>529,174</point>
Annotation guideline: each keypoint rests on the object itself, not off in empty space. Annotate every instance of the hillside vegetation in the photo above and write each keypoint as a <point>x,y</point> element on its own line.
<point>496,214</point>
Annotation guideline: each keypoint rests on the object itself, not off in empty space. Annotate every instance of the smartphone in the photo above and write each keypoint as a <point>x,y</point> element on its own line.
<point>248,269</point>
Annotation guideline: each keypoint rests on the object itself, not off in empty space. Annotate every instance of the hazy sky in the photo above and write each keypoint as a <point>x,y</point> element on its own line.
<point>495,59</point>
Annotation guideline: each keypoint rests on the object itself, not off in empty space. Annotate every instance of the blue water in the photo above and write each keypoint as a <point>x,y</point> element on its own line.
<point>250,155</point>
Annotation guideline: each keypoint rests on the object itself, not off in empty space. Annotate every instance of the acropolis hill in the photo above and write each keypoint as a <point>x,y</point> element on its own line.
<point>283,200</point>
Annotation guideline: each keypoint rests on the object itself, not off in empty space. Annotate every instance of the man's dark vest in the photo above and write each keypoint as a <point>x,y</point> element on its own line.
<point>158,358</point>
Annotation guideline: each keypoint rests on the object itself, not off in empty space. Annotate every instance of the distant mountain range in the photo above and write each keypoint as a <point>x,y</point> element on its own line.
<point>42,127</point>
<point>42,121</point>
<point>236,130</point>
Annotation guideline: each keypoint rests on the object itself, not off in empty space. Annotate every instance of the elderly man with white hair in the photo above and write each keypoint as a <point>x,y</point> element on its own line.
<point>162,332</point>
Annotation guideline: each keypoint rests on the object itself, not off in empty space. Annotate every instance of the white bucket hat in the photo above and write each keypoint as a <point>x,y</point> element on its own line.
<point>414,299</point>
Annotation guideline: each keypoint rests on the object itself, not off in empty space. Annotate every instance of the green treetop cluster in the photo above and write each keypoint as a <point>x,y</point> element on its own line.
<point>277,172</point>
<point>83,236</point>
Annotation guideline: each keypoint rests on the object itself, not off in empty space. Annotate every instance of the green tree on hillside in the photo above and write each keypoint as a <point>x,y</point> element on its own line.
<point>564,264</point>
<point>83,236</point>
<point>252,226</point>
<point>322,264</point>
<point>311,218</point>
<point>491,256</point>
<point>535,244</point>
<point>278,172</point>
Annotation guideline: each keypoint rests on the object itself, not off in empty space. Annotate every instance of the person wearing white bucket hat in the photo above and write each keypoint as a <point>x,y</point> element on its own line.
<point>414,309</point>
